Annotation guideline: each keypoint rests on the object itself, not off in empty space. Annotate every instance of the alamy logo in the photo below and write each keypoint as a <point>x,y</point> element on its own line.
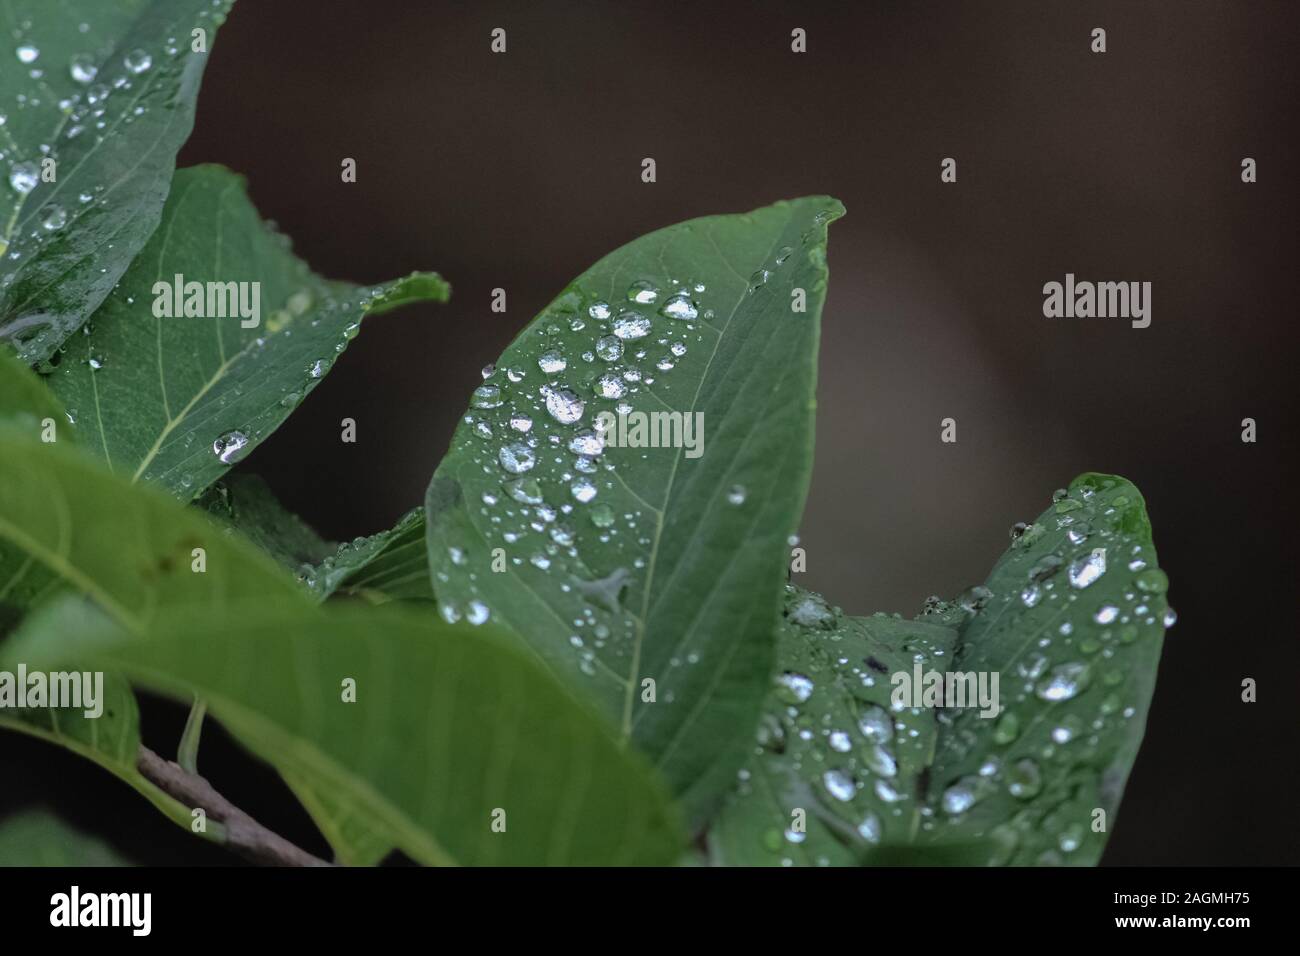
<point>653,430</point>
<point>953,689</point>
<point>208,300</point>
<point>134,910</point>
<point>1102,300</point>
<point>76,689</point>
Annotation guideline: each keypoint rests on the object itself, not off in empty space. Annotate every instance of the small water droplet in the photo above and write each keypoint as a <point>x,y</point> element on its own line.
<point>736,496</point>
<point>83,68</point>
<point>27,53</point>
<point>137,61</point>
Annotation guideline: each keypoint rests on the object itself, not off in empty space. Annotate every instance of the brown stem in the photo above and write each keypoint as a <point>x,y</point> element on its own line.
<point>244,835</point>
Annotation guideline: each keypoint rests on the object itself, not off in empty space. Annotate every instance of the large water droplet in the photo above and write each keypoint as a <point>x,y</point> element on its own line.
<point>1086,570</point>
<point>794,688</point>
<point>54,217</point>
<point>230,447</point>
<point>680,306</point>
<point>610,385</point>
<point>137,61</point>
<point>552,362</point>
<point>839,785</point>
<point>1064,682</point>
<point>876,725</point>
<point>959,797</point>
<point>1024,780</point>
<point>642,293</point>
<point>564,406</point>
<point>631,325</point>
<point>23,177</point>
<point>516,458</point>
<point>83,68</point>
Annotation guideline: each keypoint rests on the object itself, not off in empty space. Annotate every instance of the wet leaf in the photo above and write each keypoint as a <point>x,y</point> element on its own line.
<point>179,400</point>
<point>622,565</point>
<point>1070,622</point>
<point>837,772</point>
<point>1074,625</point>
<point>98,99</point>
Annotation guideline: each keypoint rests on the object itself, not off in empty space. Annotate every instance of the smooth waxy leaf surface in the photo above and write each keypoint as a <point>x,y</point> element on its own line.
<point>837,770</point>
<point>433,760</point>
<point>132,550</point>
<point>178,400</point>
<point>96,99</point>
<point>1073,619</point>
<point>66,524</point>
<point>628,564</point>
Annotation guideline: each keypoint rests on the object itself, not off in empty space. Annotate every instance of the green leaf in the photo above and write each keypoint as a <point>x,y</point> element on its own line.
<point>390,566</point>
<point>247,505</point>
<point>1070,622</point>
<point>29,410</point>
<point>837,771</point>
<point>482,729</point>
<point>39,837</point>
<point>67,524</point>
<point>132,550</point>
<point>1074,625</point>
<point>111,740</point>
<point>105,92</point>
<point>347,825</point>
<point>659,576</point>
<point>26,404</point>
<point>179,400</point>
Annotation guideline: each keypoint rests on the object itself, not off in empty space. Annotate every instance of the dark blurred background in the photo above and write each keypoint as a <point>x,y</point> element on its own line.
<point>520,170</point>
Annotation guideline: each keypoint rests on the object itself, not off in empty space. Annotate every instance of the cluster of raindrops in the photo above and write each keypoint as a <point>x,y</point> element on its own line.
<point>833,739</point>
<point>1090,597</point>
<point>536,428</point>
<point>557,495</point>
<point>74,99</point>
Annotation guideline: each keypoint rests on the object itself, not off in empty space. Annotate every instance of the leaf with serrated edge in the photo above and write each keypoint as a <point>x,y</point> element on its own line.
<point>837,770</point>
<point>660,576</point>
<point>179,400</point>
<point>112,138</point>
<point>483,736</point>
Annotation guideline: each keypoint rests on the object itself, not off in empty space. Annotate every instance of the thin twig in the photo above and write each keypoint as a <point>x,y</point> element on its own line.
<point>244,835</point>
